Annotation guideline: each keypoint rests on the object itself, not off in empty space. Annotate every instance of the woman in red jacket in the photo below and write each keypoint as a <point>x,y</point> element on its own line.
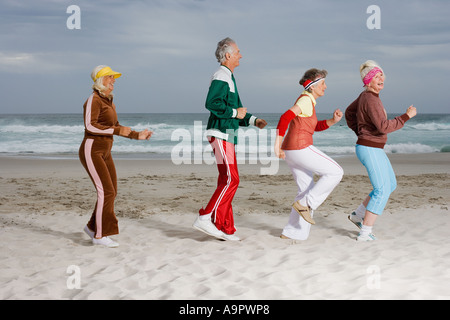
<point>100,120</point>
<point>303,158</point>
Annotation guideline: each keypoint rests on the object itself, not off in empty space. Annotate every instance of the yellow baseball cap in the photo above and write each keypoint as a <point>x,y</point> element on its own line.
<point>107,71</point>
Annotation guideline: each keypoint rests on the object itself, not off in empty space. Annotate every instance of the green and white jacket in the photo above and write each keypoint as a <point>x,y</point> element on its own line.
<point>222,101</point>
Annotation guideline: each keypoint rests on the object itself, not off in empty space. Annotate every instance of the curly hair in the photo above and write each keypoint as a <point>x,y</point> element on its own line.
<point>313,74</point>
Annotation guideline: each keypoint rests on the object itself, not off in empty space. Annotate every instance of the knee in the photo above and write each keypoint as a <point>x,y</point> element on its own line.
<point>110,194</point>
<point>382,193</point>
<point>386,190</point>
<point>340,173</point>
<point>337,175</point>
<point>235,181</point>
<point>393,185</point>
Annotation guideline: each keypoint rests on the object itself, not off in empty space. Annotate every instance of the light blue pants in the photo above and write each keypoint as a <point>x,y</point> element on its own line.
<point>381,175</point>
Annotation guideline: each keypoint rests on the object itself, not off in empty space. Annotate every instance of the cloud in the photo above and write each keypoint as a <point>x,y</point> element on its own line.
<point>56,63</point>
<point>15,60</point>
<point>165,48</point>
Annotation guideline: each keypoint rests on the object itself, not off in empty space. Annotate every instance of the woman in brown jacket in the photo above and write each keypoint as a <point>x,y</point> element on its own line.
<point>100,120</point>
<point>367,117</point>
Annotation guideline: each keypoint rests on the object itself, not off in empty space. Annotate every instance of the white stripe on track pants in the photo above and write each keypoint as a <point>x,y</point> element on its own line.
<point>220,203</point>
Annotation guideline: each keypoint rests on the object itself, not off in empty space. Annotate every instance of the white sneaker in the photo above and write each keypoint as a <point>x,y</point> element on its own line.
<point>357,221</point>
<point>209,228</point>
<point>89,232</point>
<point>230,237</point>
<point>105,241</point>
<point>366,237</point>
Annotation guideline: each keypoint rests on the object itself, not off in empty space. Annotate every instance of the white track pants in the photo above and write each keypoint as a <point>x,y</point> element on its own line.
<point>304,164</point>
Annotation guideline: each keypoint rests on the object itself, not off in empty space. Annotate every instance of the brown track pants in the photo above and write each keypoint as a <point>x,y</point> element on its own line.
<point>95,155</point>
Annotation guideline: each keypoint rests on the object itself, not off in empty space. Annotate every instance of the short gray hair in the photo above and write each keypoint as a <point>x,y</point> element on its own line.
<point>224,47</point>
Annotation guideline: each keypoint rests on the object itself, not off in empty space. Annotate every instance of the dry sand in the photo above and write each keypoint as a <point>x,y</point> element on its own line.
<point>45,203</point>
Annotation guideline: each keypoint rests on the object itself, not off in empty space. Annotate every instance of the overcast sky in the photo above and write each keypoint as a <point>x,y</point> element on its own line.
<point>165,50</point>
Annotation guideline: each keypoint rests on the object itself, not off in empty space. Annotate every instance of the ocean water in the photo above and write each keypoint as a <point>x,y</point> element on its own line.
<point>181,136</point>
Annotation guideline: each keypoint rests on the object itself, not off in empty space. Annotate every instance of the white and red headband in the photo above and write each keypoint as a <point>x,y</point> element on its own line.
<point>308,83</point>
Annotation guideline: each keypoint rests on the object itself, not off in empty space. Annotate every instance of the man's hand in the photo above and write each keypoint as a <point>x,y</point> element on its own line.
<point>241,112</point>
<point>260,123</point>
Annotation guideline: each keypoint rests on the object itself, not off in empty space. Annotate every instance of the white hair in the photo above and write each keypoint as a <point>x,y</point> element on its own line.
<point>224,47</point>
<point>365,68</point>
<point>98,84</point>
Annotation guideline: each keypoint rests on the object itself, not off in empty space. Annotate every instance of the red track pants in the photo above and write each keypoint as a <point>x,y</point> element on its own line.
<point>220,204</point>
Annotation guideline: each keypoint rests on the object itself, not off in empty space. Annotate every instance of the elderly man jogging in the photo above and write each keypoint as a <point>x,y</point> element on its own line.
<point>227,114</point>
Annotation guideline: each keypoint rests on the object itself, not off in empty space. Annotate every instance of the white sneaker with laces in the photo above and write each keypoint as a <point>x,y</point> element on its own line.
<point>358,221</point>
<point>366,237</point>
<point>209,228</point>
<point>105,241</point>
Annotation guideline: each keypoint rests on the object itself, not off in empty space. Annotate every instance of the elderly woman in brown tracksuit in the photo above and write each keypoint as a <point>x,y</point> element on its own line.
<point>100,120</point>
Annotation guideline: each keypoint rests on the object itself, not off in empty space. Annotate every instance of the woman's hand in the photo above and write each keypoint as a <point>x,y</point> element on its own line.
<point>280,153</point>
<point>337,115</point>
<point>277,148</point>
<point>145,135</point>
<point>411,112</point>
<point>124,131</point>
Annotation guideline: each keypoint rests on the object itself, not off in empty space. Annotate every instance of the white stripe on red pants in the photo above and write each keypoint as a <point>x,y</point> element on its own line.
<point>220,204</point>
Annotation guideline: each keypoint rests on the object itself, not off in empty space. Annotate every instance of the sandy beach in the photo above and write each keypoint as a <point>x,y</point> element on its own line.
<point>44,253</point>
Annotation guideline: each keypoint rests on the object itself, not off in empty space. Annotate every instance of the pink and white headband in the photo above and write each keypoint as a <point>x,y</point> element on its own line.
<point>369,76</point>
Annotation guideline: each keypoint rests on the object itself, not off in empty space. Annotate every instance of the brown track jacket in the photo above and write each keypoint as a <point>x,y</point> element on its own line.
<point>367,117</point>
<point>100,117</point>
